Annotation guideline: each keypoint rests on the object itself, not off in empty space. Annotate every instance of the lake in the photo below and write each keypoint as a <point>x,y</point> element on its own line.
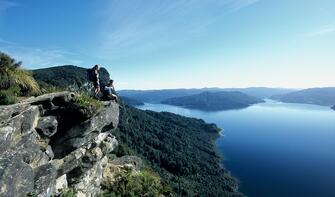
<point>275,149</point>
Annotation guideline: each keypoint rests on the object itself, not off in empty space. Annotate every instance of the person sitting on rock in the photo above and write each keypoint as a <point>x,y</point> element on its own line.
<point>109,92</point>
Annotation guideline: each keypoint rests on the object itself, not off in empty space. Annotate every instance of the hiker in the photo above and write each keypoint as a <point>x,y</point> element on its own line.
<point>109,92</point>
<point>93,75</point>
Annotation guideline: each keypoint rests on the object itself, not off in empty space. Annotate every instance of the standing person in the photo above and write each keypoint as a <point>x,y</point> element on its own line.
<point>95,80</point>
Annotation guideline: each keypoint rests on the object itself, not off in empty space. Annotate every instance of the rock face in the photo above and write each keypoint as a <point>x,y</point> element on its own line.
<point>45,148</point>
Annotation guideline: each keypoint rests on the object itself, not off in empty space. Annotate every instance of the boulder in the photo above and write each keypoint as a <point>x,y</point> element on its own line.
<point>89,183</point>
<point>45,180</point>
<point>61,184</point>
<point>16,177</point>
<point>47,126</point>
<point>83,133</point>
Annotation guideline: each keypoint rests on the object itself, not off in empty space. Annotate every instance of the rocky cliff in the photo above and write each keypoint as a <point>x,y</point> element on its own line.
<point>49,145</point>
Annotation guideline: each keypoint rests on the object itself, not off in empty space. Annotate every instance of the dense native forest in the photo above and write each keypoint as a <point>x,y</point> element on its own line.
<point>180,149</point>
<point>66,77</point>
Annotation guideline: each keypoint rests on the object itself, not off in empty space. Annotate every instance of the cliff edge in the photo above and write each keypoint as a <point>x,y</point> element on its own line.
<point>48,144</point>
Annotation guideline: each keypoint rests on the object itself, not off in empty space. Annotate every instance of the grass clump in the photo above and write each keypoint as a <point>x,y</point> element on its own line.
<point>15,81</point>
<point>84,100</point>
<point>85,106</point>
<point>67,193</point>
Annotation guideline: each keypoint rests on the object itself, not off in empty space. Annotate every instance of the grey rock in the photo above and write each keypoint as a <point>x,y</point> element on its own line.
<point>57,97</point>
<point>134,161</point>
<point>6,133</point>
<point>108,144</point>
<point>7,112</point>
<point>61,184</point>
<point>31,143</point>
<point>45,180</point>
<point>87,131</point>
<point>89,182</point>
<point>49,152</point>
<point>108,116</point>
<point>29,119</point>
<point>16,177</point>
<point>47,125</point>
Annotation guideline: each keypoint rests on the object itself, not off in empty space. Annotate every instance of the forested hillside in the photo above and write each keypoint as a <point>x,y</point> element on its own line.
<point>317,96</point>
<point>180,149</point>
<point>131,101</point>
<point>65,76</point>
<point>213,101</point>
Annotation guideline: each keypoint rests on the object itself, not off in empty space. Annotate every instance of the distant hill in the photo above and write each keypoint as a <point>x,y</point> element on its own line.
<point>316,96</point>
<point>213,101</point>
<point>157,96</point>
<point>65,76</point>
<point>261,92</point>
<point>131,102</point>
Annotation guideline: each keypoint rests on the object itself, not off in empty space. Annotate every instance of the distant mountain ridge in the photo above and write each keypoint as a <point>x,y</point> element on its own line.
<point>213,101</point>
<point>316,96</point>
<point>157,96</point>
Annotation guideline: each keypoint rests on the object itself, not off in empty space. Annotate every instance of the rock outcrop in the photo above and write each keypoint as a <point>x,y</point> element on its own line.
<point>46,147</point>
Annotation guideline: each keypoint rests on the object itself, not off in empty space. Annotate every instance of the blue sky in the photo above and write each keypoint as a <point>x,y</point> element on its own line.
<point>153,44</point>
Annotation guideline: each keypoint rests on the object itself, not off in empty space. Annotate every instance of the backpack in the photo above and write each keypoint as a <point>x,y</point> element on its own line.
<point>90,74</point>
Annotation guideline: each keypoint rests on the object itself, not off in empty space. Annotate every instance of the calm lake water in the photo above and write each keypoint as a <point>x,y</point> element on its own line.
<point>275,149</point>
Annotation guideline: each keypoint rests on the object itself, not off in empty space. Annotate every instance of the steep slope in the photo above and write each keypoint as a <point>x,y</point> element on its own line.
<point>214,101</point>
<point>317,96</point>
<point>180,149</point>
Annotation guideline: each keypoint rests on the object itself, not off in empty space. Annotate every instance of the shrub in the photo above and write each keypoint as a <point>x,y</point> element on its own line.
<point>84,100</point>
<point>8,96</point>
<point>144,183</point>
<point>122,150</point>
<point>85,106</point>
<point>50,89</point>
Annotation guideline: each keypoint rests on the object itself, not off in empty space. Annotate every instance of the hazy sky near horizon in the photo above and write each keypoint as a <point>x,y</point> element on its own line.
<point>156,44</point>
